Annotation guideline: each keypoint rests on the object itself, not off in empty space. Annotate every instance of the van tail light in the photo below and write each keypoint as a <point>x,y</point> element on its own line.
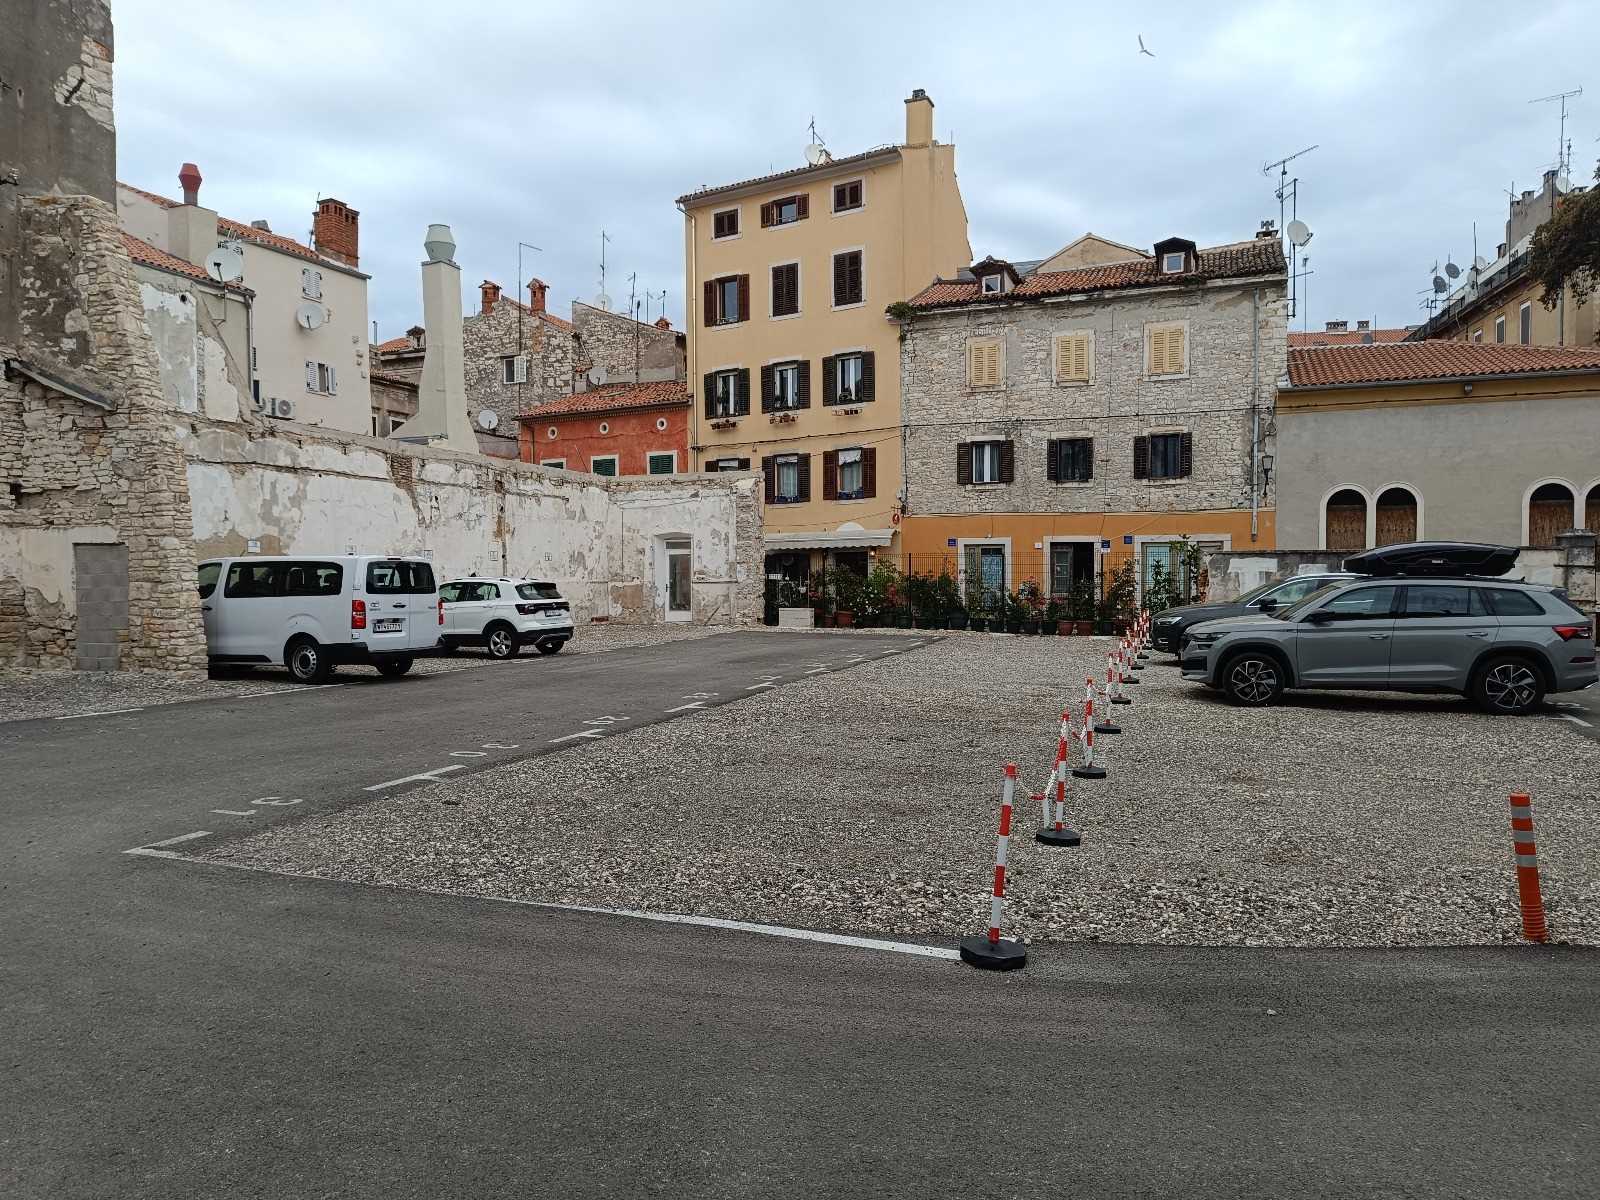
<point>441,612</point>
<point>1568,632</point>
<point>358,614</point>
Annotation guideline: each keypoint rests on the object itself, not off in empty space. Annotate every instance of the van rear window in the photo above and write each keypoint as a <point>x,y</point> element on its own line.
<point>314,579</point>
<point>399,577</point>
<point>538,591</point>
<point>254,579</point>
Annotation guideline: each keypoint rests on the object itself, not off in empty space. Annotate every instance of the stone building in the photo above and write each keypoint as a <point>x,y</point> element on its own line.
<point>613,429</point>
<point>1059,422</point>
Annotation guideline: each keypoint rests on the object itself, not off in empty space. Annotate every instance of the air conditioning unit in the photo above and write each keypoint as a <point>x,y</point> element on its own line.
<point>283,409</point>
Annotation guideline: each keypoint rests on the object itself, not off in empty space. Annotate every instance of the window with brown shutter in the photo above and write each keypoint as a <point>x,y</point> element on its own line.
<point>744,298</point>
<point>869,472</point>
<point>830,474</point>
<point>830,381</point>
<point>725,223</point>
<point>742,382</point>
<point>990,461</point>
<point>1168,456</point>
<point>802,393</point>
<point>786,290</point>
<point>727,299</point>
<point>785,386</point>
<point>768,387</point>
<point>1141,457</point>
<point>1070,460</point>
<point>769,465</point>
<point>1008,461</point>
<point>786,211</point>
<point>847,196</point>
<point>963,465</point>
<point>727,393</point>
<point>869,377</point>
<point>847,280</point>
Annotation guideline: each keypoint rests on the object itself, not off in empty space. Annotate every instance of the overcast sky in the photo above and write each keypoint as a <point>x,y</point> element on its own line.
<point>546,123</point>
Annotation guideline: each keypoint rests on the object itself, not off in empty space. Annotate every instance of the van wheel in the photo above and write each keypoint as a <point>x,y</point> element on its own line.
<point>1252,680</point>
<point>393,668</point>
<point>1508,686</point>
<point>307,661</point>
<point>502,641</point>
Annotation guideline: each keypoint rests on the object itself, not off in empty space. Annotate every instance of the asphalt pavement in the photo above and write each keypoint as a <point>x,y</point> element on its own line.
<point>179,1029</point>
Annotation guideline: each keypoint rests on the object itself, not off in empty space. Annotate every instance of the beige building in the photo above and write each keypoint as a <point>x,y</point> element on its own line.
<point>794,361</point>
<point>309,317</point>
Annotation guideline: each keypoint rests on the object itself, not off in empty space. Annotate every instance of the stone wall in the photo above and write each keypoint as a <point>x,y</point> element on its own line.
<point>1211,402</point>
<point>616,344</point>
<point>508,329</point>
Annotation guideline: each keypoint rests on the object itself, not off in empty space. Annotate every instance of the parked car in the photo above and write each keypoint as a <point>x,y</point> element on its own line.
<point>313,612</point>
<point>1410,625</point>
<point>504,615</point>
<point>1168,626</point>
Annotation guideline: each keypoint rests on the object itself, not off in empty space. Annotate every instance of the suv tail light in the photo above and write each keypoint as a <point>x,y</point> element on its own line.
<point>528,610</point>
<point>441,612</point>
<point>1568,632</point>
<point>358,614</point>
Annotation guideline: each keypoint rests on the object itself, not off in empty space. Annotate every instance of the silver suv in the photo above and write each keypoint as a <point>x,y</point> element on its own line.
<point>1505,644</point>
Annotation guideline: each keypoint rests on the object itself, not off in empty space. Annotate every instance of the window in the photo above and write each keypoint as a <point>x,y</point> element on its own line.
<point>848,378</point>
<point>558,464</point>
<point>1070,460</point>
<point>728,464</point>
<point>603,464</point>
<point>314,579</point>
<point>399,577</point>
<point>993,284</point>
<point>786,290</point>
<point>310,283</point>
<point>1163,456</point>
<point>1289,593</point>
<point>1072,357</point>
<point>538,590</point>
<point>785,386</point>
<point>1167,350</point>
<point>1525,324</point>
<point>605,427</point>
<point>207,578</point>
<point>1362,604</point>
<point>1440,600</point>
<point>847,284</point>
<point>1499,329</point>
<point>985,462</point>
<point>727,393</point>
<point>1477,335</point>
<point>1172,263</point>
<point>725,224</point>
<point>322,378</point>
<point>662,462</point>
<point>247,580</point>
<point>788,478</point>
<point>1503,602</point>
<point>847,196</point>
<point>850,474</point>
<point>983,362</point>
<point>786,211</point>
<point>449,593</point>
<point>727,299</point>
<point>514,368</point>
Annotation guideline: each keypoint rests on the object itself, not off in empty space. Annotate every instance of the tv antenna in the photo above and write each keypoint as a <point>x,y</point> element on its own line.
<point>1298,233</point>
<point>1563,151</point>
<point>522,344</point>
<point>602,300</point>
<point>816,149</point>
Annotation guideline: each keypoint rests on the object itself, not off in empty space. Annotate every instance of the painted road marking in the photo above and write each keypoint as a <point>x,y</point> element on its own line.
<point>604,720</point>
<point>153,850</point>
<point>235,812</point>
<point>500,746</point>
<point>587,733</point>
<point>468,754</point>
<point>1574,720</point>
<point>816,670</point>
<point>755,687</point>
<point>686,707</point>
<point>103,712</point>
<point>424,777</point>
<point>702,695</point>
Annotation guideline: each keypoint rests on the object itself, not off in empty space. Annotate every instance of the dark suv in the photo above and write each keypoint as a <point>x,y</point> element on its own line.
<point>1168,626</point>
<point>1409,626</point>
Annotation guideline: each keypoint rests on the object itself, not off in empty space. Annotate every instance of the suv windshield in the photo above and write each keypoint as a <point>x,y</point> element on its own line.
<point>538,591</point>
<point>1289,611</point>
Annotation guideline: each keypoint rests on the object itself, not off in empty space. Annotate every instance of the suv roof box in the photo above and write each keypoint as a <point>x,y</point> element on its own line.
<point>1434,558</point>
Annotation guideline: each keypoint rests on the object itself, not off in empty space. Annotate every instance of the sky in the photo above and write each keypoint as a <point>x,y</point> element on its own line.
<point>547,123</point>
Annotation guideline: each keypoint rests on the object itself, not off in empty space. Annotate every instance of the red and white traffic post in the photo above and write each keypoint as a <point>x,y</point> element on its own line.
<point>990,950</point>
<point>1116,690</point>
<point>1105,724</point>
<point>1143,650</point>
<point>1055,832</point>
<point>1088,770</point>
<point>1131,675</point>
<point>1528,897</point>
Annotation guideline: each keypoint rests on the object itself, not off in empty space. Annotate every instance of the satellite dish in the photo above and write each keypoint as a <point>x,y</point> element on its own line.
<point>602,300</point>
<point>1451,269</point>
<point>1439,285</point>
<point>225,264</point>
<point>488,419</point>
<point>1299,233</point>
<point>816,154</point>
<point>1472,276</point>
<point>1563,182</point>
<point>598,376</point>
<point>310,316</point>
<point>1479,263</point>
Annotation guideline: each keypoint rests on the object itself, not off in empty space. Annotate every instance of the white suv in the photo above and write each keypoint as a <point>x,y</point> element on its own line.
<point>505,615</point>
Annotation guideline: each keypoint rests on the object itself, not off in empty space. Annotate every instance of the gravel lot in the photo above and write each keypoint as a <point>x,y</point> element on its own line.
<point>866,801</point>
<point>27,694</point>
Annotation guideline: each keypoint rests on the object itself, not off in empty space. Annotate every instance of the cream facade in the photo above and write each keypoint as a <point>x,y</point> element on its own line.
<point>793,362</point>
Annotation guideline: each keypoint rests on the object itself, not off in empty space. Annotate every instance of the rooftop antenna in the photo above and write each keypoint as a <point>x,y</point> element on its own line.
<point>633,312</point>
<point>1562,152</point>
<point>816,150</point>
<point>522,344</point>
<point>1288,191</point>
<point>602,300</point>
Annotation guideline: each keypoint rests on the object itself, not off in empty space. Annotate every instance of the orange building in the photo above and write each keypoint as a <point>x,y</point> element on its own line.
<point>613,429</point>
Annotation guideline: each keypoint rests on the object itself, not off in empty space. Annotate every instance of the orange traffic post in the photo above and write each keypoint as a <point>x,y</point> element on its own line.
<point>1528,898</point>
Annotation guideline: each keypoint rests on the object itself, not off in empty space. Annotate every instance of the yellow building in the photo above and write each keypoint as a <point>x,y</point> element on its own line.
<point>794,362</point>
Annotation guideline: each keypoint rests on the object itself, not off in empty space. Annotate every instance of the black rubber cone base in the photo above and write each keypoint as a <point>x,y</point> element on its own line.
<point>1088,772</point>
<point>1051,836</point>
<point>1141,657</point>
<point>1127,679</point>
<point>1121,700</point>
<point>1005,955</point>
<point>1106,727</point>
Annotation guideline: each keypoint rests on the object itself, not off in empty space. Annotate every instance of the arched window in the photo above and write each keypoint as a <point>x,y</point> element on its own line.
<point>1396,517</point>
<point>1346,520</point>
<point>1550,511</point>
<point>1591,509</point>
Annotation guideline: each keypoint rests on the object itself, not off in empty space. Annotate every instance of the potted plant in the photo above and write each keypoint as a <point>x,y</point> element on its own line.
<point>976,607</point>
<point>819,594</point>
<point>1052,623</point>
<point>1011,610</point>
<point>1030,605</point>
<point>847,592</point>
<point>1080,603</point>
<point>1117,604</point>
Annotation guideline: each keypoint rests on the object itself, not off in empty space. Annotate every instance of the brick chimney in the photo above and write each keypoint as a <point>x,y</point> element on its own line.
<point>1337,327</point>
<point>919,118</point>
<point>335,231</point>
<point>1363,326</point>
<point>663,323</point>
<point>490,292</point>
<point>536,290</point>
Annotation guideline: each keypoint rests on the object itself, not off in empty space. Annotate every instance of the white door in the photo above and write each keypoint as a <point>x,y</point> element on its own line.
<point>450,593</point>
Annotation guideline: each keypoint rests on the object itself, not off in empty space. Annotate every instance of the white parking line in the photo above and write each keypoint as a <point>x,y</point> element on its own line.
<point>424,777</point>
<point>1574,720</point>
<point>685,707</point>
<point>816,670</point>
<point>236,812</point>
<point>756,687</point>
<point>571,737</point>
<point>102,712</point>
<point>153,850</point>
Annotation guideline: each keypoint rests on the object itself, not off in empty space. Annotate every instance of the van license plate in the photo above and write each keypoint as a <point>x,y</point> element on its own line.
<point>388,625</point>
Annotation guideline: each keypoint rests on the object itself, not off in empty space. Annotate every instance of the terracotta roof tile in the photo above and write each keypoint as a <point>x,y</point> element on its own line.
<point>395,345</point>
<point>1403,362</point>
<point>143,252</point>
<point>399,381</point>
<point>1258,256</point>
<point>613,397</point>
<point>1349,337</point>
<point>833,163</point>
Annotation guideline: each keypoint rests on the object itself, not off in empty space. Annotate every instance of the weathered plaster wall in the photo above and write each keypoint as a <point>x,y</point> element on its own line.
<point>617,344</point>
<point>56,127</point>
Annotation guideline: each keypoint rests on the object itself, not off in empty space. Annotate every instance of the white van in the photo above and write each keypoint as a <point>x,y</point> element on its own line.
<point>313,611</point>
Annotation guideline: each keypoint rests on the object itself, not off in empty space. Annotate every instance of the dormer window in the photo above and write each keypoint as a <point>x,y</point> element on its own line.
<point>995,276</point>
<point>1177,256</point>
<point>1172,263</point>
<point>993,284</point>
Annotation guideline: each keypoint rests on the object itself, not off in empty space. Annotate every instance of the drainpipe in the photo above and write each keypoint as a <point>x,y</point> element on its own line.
<point>691,334</point>
<point>1255,413</point>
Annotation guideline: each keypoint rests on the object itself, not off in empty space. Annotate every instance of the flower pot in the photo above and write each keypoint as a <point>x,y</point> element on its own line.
<point>956,620</point>
<point>1066,628</point>
<point>1103,628</point>
<point>1014,626</point>
<point>977,624</point>
<point>1030,627</point>
<point>844,619</point>
<point>1049,628</point>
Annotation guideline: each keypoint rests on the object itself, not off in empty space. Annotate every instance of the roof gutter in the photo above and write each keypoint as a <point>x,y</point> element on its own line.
<point>844,166</point>
<point>1384,383</point>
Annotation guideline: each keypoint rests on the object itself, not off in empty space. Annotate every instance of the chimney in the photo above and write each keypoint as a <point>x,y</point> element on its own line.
<point>919,118</point>
<point>490,293</point>
<point>261,224</point>
<point>663,323</point>
<point>536,290</point>
<point>1337,327</point>
<point>414,335</point>
<point>1268,230</point>
<point>335,231</point>
<point>191,230</point>
<point>1363,326</point>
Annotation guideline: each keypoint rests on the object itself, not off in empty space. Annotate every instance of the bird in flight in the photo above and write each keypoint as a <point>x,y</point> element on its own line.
<point>1142,50</point>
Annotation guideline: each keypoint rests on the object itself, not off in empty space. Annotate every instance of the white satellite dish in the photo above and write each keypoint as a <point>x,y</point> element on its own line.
<point>225,264</point>
<point>602,300</point>
<point>488,419</point>
<point>1563,182</point>
<point>310,316</point>
<point>1299,233</point>
<point>1480,262</point>
<point>598,376</point>
<point>816,154</point>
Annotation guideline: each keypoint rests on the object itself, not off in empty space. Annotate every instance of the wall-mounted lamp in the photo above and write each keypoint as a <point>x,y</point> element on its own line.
<point>1466,388</point>
<point>1266,470</point>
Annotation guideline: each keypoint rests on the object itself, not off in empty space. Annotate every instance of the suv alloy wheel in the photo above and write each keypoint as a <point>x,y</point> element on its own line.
<point>1252,679</point>
<point>1508,685</point>
<point>502,641</point>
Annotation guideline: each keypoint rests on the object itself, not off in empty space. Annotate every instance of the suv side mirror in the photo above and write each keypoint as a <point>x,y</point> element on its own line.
<point>1321,617</point>
<point>1267,604</point>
